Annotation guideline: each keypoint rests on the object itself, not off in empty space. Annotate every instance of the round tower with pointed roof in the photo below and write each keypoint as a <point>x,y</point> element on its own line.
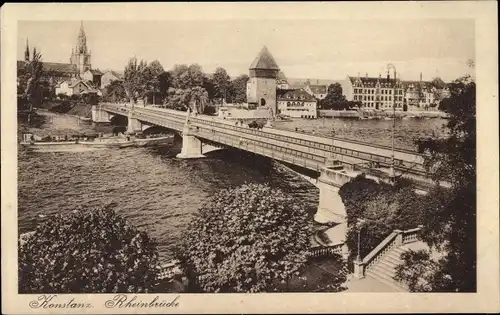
<point>261,88</point>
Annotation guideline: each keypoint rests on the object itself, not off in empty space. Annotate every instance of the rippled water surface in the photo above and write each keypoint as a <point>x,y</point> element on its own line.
<point>152,188</point>
<point>371,130</point>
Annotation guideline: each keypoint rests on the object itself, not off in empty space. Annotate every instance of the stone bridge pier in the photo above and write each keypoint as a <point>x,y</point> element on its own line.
<point>331,208</point>
<point>133,124</point>
<point>192,147</point>
<point>100,116</point>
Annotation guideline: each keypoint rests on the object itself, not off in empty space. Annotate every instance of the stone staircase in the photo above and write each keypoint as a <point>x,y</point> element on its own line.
<point>384,270</point>
<point>379,266</point>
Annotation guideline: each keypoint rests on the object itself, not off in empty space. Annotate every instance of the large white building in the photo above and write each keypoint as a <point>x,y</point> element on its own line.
<point>297,104</point>
<point>374,93</point>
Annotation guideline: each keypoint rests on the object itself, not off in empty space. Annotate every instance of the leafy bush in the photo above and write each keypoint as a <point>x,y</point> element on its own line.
<point>209,110</point>
<point>246,239</point>
<point>421,273</point>
<point>93,251</point>
<point>383,208</point>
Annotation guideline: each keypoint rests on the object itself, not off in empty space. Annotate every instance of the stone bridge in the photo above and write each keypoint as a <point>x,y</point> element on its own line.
<point>336,160</point>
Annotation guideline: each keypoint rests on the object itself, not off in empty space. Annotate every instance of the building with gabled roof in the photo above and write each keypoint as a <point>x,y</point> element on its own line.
<point>110,76</point>
<point>375,93</point>
<point>318,91</point>
<point>297,103</point>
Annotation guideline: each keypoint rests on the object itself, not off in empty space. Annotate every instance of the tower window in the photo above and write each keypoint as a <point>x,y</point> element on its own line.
<point>262,102</point>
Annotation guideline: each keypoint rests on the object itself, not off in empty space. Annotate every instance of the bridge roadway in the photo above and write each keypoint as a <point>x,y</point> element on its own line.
<point>299,149</point>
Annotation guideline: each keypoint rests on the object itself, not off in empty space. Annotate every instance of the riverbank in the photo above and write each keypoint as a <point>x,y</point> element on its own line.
<point>379,114</point>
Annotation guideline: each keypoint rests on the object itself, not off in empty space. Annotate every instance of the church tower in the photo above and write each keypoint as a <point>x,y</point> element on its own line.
<point>27,52</point>
<point>80,56</point>
<point>261,88</point>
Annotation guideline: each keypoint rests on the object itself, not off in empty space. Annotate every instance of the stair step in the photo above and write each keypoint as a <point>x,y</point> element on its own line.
<point>393,259</point>
<point>382,270</point>
<point>390,282</point>
<point>388,263</point>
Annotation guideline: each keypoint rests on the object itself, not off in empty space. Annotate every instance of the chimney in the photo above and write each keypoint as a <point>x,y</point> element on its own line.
<point>420,76</point>
<point>366,75</point>
<point>388,77</point>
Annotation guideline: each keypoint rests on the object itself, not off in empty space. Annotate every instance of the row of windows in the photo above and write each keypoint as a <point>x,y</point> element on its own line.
<point>298,104</point>
<point>381,105</point>
<point>300,97</point>
<point>296,109</point>
<point>372,98</point>
<point>373,91</point>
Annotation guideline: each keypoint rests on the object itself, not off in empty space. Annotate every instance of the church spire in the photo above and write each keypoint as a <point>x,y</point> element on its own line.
<point>81,46</point>
<point>27,51</point>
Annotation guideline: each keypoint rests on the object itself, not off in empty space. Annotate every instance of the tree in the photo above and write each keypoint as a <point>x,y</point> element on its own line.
<point>384,208</point>
<point>221,83</point>
<point>246,240</point>
<point>335,99</point>
<point>31,82</point>
<point>238,89</point>
<point>451,223</point>
<point>198,99</point>
<point>115,92</point>
<point>209,86</point>
<point>88,251</point>
<point>438,83</point>
<point>185,77</point>
<point>154,72</point>
<point>131,83</point>
<point>165,82</point>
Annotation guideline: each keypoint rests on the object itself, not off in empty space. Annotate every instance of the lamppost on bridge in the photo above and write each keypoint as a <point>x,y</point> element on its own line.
<point>389,67</point>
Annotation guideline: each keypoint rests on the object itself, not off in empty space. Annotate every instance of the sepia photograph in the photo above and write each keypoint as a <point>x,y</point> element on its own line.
<point>160,158</point>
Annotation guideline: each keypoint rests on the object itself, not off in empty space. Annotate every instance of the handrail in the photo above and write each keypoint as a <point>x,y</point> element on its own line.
<point>382,245</point>
<point>389,242</point>
<point>401,150</point>
<point>374,157</point>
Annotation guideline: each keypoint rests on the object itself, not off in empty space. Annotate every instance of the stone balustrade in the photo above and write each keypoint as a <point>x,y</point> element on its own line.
<point>396,239</point>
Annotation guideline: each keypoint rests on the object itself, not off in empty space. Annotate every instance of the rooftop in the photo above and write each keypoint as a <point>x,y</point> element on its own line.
<point>264,60</point>
<point>295,95</point>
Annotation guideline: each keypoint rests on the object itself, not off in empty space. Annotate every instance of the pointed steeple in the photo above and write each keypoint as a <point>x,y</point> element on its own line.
<point>81,42</point>
<point>27,51</point>
<point>264,60</point>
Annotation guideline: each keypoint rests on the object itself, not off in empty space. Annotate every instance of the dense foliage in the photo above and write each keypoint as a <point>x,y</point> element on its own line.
<point>30,86</point>
<point>384,208</point>
<point>93,251</point>
<point>336,100</point>
<point>247,239</point>
<point>178,88</point>
<point>115,92</point>
<point>451,224</point>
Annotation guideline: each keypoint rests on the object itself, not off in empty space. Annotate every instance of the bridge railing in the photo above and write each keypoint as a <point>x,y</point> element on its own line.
<point>311,145</point>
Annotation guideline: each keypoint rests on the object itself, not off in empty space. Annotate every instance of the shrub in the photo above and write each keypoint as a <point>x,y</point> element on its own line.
<point>209,110</point>
<point>93,251</point>
<point>383,208</point>
<point>246,239</point>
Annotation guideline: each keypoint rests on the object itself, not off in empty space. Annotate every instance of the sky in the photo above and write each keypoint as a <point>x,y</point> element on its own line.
<point>319,49</point>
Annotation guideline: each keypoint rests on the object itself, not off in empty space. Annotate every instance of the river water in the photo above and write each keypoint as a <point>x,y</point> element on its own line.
<point>154,190</point>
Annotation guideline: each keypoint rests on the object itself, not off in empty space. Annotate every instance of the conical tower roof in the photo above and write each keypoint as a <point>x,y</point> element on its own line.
<point>264,60</point>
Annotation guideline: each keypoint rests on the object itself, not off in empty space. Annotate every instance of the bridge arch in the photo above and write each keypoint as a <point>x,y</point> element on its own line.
<point>155,129</point>
<point>119,121</point>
